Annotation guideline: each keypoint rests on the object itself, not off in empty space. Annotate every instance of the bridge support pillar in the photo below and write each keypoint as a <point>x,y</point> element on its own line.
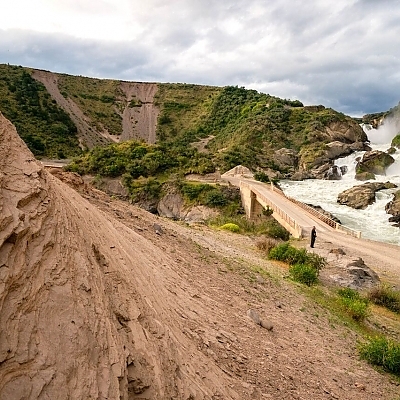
<point>250,204</point>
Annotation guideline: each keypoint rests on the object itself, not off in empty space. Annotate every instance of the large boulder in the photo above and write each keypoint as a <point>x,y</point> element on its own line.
<point>361,196</point>
<point>338,149</point>
<point>351,272</point>
<point>347,131</point>
<point>393,207</point>
<point>172,206</point>
<point>375,162</point>
<point>286,159</point>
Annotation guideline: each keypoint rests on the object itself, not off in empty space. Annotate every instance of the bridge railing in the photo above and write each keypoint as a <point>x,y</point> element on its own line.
<point>282,214</point>
<point>319,215</point>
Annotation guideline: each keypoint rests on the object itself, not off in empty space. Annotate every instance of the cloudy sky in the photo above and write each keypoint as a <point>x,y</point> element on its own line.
<point>344,54</point>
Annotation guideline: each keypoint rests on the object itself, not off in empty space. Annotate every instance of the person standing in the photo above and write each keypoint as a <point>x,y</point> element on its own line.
<point>313,236</point>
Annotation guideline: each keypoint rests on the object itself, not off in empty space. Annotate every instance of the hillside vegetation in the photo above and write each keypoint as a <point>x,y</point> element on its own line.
<point>100,99</point>
<point>240,126</point>
<point>45,127</point>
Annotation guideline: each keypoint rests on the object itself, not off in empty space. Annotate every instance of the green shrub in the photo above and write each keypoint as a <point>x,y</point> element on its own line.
<point>267,211</point>
<point>230,227</point>
<point>304,266</point>
<point>292,255</point>
<point>276,231</point>
<point>296,256</point>
<point>304,273</point>
<point>215,198</point>
<point>385,296</point>
<point>356,308</point>
<point>317,261</point>
<point>355,305</point>
<point>193,190</point>
<point>279,252</point>
<point>262,177</point>
<point>382,352</point>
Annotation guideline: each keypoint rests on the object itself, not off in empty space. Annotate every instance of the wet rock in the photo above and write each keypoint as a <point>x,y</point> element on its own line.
<point>375,161</point>
<point>364,176</point>
<point>361,196</point>
<point>334,173</point>
<point>393,207</point>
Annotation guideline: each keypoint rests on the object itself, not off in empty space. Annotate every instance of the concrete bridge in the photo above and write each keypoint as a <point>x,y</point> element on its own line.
<point>298,218</point>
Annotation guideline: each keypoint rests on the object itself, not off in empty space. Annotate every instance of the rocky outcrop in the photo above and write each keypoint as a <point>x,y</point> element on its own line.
<point>393,207</point>
<point>172,206</point>
<point>86,308</point>
<point>351,272</point>
<point>286,159</point>
<point>316,160</point>
<point>361,196</point>
<point>347,131</point>
<point>374,162</point>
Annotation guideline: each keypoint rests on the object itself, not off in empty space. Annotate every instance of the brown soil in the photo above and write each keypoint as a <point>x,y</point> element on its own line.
<point>102,300</point>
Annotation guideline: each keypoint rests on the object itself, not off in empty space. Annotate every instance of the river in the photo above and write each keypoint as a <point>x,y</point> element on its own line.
<point>373,221</point>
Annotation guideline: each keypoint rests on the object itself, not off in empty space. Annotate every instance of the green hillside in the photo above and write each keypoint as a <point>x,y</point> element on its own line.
<point>238,126</point>
<point>45,127</point>
<point>99,99</point>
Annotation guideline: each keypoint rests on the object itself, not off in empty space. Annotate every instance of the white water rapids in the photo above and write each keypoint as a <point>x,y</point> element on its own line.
<point>373,221</point>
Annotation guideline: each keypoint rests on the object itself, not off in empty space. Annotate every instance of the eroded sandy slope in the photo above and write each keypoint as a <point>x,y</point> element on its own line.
<point>95,304</point>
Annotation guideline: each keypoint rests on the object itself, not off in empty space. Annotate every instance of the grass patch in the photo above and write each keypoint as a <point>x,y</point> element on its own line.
<point>385,296</point>
<point>382,352</point>
<point>354,304</point>
<point>267,226</point>
<point>304,273</point>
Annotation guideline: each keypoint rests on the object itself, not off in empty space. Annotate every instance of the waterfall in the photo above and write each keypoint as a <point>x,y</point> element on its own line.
<point>373,221</point>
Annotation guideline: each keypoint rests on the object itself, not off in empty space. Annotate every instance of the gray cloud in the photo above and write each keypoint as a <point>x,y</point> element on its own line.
<point>343,54</point>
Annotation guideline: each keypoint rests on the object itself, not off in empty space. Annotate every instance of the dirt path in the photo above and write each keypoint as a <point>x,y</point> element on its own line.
<point>88,136</point>
<point>301,358</point>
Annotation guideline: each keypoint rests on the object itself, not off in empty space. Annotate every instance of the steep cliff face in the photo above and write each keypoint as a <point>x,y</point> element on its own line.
<point>87,309</point>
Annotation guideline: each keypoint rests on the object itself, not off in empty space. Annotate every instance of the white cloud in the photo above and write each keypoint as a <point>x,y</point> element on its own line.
<point>343,54</point>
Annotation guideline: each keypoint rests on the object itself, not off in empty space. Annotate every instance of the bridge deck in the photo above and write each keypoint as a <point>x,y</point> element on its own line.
<point>297,218</point>
<point>302,218</point>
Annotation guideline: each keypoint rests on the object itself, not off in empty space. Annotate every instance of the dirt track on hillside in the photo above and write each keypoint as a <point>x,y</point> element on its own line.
<point>138,122</point>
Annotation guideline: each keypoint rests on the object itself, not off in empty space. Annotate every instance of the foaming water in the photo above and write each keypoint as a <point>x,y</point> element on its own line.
<point>373,221</point>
